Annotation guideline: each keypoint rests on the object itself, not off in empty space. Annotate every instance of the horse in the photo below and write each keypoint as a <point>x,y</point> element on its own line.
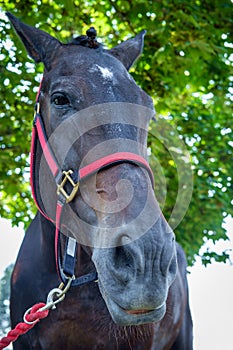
<point>94,190</point>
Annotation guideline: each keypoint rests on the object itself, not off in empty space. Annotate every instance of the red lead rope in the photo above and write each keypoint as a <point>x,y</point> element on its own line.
<point>32,318</point>
<point>35,313</point>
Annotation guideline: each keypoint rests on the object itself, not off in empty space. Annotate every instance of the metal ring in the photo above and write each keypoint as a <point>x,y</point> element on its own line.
<point>25,314</point>
<point>60,294</point>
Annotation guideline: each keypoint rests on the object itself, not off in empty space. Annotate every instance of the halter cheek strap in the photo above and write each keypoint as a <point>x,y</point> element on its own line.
<point>74,178</point>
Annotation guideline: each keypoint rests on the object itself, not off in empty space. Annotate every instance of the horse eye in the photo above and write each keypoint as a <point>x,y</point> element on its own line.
<point>60,100</point>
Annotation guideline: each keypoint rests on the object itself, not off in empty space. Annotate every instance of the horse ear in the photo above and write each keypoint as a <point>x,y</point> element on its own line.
<point>39,44</point>
<point>128,51</point>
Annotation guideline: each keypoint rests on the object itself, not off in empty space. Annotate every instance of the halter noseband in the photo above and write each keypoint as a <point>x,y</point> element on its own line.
<point>74,178</point>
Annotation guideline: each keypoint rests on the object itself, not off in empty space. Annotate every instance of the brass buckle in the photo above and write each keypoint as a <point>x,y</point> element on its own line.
<point>60,187</point>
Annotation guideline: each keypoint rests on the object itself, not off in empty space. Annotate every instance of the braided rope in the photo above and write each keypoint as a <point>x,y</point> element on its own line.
<point>33,316</point>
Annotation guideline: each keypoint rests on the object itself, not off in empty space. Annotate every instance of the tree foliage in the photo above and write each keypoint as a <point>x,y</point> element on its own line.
<point>187,69</point>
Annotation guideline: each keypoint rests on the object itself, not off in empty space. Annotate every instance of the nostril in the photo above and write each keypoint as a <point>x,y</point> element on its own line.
<point>122,256</point>
<point>168,263</point>
<point>173,267</point>
<point>121,265</point>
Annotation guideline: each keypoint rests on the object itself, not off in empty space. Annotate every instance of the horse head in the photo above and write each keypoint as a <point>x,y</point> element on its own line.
<point>91,107</point>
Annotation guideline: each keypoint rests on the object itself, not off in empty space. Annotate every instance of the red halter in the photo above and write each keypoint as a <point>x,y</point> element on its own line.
<point>61,177</point>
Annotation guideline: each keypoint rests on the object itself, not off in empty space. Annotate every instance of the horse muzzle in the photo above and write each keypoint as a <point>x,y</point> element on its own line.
<point>134,279</point>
